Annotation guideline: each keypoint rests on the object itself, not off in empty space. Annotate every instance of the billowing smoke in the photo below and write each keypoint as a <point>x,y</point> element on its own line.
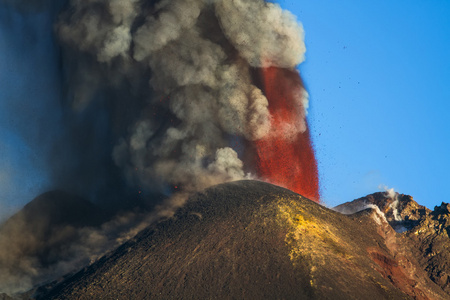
<point>183,70</point>
<point>159,99</point>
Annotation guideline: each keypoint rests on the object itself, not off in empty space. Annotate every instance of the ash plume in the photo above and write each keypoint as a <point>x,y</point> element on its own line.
<point>187,67</point>
<point>158,99</point>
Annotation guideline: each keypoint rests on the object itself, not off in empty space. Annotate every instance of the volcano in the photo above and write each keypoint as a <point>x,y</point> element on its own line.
<point>249,239</point>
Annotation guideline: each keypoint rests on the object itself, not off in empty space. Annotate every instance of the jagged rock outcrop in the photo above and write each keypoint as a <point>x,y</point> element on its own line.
<point>425,233</point>
<point>431,237</point>
<point>401,211</point>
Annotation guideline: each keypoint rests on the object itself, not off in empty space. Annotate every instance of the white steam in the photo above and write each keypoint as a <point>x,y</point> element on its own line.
<point>379,217</point>
<point>392,194</point>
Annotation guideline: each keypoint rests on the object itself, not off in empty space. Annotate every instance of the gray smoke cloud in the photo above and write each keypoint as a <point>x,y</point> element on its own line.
<point>155,95</point>
<point>193,61</point>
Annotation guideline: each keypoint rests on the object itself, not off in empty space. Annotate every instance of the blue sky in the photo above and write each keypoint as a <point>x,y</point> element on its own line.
<point>377,74</point>
<point>377,77</point>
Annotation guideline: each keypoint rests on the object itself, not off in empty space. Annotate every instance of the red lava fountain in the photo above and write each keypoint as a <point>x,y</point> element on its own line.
<point>288,161</point>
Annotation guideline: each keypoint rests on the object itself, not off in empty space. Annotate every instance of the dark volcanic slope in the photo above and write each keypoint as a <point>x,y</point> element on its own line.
<point>251,240</point>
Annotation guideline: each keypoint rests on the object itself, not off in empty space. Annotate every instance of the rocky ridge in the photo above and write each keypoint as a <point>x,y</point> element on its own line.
<point>424,232</point>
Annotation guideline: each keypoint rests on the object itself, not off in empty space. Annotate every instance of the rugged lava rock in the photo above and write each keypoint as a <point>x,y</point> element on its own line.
<point>254,240</point>
<point>401,211</point>
<point>431,238</point>
<point>425,232</point>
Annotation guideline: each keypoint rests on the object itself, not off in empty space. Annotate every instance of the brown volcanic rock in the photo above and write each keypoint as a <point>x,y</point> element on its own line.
<point>401,211</point>
<point>254,240</point>
<point>425,233</point>
<point>431,239</point>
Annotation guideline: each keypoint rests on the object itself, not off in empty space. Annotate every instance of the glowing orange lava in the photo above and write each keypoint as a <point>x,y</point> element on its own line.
<point>287,161</point>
